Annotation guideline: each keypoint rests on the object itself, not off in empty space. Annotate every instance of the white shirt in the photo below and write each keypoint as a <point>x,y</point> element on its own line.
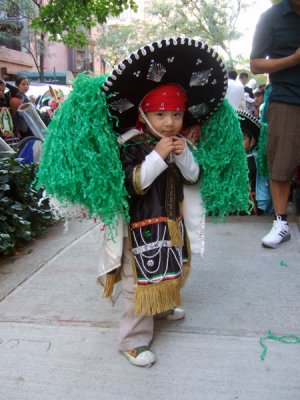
<point>235,94</point>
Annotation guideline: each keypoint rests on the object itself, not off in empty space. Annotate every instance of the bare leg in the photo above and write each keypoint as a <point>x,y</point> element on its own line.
<point>280,194</point>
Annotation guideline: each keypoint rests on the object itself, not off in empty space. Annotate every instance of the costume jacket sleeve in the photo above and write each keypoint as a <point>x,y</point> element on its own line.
<point>187,165</point>
<point>151,168</point>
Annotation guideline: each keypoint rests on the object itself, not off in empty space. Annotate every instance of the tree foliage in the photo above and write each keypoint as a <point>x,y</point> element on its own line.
<point>206,20</point>
<point>67,21</point>
<point>20,13</point>
<point>214,23</point>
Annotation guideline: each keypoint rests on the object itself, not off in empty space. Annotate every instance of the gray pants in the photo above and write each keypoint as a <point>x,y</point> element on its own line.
<point>134,331</point>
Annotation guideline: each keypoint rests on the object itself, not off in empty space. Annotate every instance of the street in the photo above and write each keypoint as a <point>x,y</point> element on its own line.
<point>58,336</point>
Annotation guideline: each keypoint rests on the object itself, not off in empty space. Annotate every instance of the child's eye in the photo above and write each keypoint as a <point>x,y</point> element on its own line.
<point>159,114</point>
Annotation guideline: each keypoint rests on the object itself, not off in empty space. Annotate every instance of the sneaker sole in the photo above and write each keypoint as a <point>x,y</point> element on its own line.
<point>274,246</point>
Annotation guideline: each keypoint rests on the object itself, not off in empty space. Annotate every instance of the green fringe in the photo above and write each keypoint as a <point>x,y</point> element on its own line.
<point>262,162</point>
<point>222,158</point>
<point>81,162</point>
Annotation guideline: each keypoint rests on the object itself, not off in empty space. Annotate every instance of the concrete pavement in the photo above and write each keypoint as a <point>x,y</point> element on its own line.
<point>58,336</point>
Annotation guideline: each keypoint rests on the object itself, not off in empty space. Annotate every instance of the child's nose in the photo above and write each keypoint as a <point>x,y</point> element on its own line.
<point>170,120</point>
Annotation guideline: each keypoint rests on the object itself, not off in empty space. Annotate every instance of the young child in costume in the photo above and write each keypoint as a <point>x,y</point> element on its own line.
<point>128,166</point>
<point>156,166</point>
<point>259,185</point>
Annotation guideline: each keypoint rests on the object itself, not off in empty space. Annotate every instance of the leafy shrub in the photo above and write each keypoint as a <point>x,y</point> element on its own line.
<point>24,213</point>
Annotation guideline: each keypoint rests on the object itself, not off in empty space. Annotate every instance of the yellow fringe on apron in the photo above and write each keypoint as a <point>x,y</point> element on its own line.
<point>156,298</point>
<point>175,233</point>
<point>110,280</point>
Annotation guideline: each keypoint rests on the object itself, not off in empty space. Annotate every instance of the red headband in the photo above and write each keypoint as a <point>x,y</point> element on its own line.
<point>169,97</point>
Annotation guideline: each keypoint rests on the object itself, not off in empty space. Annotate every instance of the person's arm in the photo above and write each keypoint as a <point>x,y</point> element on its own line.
<point>263,65</point>
<point>151,168</point>
<point>188,166</point>
<point>262,45</point>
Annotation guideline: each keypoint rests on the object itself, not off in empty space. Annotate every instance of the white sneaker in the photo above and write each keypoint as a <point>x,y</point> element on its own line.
<point>140,356</point>
<point>278,234</point>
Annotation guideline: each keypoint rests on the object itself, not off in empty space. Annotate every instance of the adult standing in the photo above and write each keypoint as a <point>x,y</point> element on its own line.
<point>276,50</point>
<point>235,91</point>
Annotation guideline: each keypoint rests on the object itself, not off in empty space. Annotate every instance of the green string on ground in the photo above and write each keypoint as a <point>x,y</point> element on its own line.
<point>287,339</point>
<point>283,263</point>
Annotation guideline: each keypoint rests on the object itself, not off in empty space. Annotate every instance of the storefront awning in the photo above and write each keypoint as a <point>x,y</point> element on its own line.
<point>62,78</point>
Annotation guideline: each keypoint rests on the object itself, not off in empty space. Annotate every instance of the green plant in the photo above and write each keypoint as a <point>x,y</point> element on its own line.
<point>24,212</point>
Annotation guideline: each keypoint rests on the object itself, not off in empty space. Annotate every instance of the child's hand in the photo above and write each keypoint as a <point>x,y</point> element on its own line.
<point>179,145</point>
<point>165,146</point>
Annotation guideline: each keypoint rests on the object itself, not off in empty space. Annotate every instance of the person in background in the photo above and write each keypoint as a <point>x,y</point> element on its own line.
<point>243,77</point>
<point>4,98</point>
<point>248,93</point>
<point>235,91</point>
<point>19,97</point>
<point>276,51</point>
<point>6,123</point>
<point>259,95</point>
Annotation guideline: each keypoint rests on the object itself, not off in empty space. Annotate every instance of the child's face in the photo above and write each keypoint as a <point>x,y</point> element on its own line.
<point>168,123</point>
<point>248,142</point>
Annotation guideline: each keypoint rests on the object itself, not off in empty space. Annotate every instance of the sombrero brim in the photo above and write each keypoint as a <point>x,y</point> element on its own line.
<point>186,62</point>
<point>249,124</point>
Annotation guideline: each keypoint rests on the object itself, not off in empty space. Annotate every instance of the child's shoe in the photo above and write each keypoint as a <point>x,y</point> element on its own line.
<point>140,356</point>
<point>278,234</point>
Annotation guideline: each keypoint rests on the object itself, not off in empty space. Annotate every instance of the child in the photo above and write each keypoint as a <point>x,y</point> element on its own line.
<point>156,164</point>
<point>150,96</point>
<point>259,185</point>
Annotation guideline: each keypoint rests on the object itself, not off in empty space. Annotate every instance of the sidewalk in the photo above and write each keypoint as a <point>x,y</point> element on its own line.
<point>58,336</point>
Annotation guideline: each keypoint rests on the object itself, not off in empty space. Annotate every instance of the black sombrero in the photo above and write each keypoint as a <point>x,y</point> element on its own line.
<point>189,63</point>
<point>249,124</point>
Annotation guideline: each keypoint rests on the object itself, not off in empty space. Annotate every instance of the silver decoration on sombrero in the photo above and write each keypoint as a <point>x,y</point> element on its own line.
<point>121,105</point>
<point>250,117</point>
<point>198,110</point>
<point>150,48</point>
<point>156,72</point>
<point>200,78</point>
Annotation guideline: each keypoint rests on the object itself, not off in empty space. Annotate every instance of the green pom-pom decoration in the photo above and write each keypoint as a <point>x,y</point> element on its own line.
<point>81,162</point>
<point>262,161</point>
<point>225,184</point>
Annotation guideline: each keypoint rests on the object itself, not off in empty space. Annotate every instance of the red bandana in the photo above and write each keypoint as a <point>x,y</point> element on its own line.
<point>169,97</point>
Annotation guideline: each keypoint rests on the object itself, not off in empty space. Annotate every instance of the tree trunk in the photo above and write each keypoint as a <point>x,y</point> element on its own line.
<point>42,56</point>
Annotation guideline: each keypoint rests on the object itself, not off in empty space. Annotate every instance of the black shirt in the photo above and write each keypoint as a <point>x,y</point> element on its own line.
<point>277,35</point>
